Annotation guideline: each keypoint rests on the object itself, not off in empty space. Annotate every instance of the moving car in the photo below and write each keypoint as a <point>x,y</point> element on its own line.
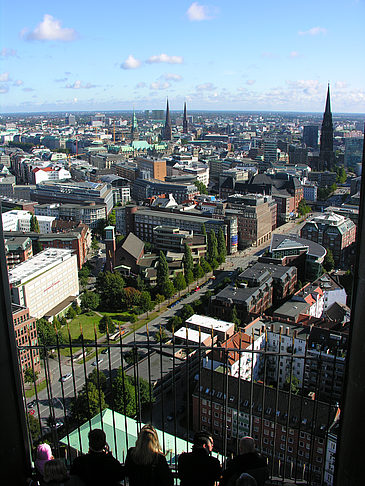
<point>66,377</point>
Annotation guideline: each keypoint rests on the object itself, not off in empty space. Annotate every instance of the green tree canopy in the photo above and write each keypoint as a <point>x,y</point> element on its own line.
<point>89,402</point>
<point>162,269</point>
<point>329,262</point>
<point>168,289</point>
<point>222,249</point>
<point>110,287</point>
<point>124,394</point>
<point>204,231</point>
<point>212,247</point>
<point>205,265</point>
<point>71,313</point>
<point>188,259</point>
<point>112,219</point>
<point>34,224</point>
<point>179,282</point>
<point>186,312</point>
<point>106,323</point>
<point>202,188</point>
<point>189,277</point>
<point>98,379</point>
<point>145,301</point>
<point>30,376</point>
<point>90,300</point>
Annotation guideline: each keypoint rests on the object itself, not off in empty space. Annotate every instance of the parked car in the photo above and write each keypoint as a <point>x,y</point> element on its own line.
<point>66,377</point>
<point>31,404</point>
<point>96,362</point>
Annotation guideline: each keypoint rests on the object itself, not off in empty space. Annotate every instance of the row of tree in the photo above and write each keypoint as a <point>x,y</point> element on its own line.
<point>127,395</point>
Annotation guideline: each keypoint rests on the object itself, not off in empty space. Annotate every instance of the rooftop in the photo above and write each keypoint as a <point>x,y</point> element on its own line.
<point>209,323</point>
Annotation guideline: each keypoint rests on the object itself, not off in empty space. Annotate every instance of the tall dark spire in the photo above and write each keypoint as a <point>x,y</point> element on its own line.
<point>326,154</point>
<point>185,120</point>
<point>167,130</point>
<point>134,127</point>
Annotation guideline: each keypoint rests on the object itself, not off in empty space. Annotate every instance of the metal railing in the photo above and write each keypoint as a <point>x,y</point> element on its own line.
<point>181,388</point>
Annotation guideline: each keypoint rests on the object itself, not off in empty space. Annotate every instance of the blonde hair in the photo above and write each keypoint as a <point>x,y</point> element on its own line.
<point>147,446</point>
<point>55,470</point>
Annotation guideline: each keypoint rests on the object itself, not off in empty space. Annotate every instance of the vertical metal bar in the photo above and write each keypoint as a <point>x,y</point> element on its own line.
<point>174,393</point>
<point>85,375</point>
<point>63,394</point>
<point>112,403</point>
<point>199,378</point>
<point>162,397</point>
<point>315,415</point>
<point>278,361</point>
<point>51,405</point>
<point>98,376</point>
<point>123,389</point>
<point>239,389</point>
<point>289,405</point>
<point>149,372</point>
<point>74,386</point>
<point>262,397</point>
<point>225,410</point>
<point>187,385</point>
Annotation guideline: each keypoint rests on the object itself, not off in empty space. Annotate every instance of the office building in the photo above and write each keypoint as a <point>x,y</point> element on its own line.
<point>46,283</point>
<point>310,136</point>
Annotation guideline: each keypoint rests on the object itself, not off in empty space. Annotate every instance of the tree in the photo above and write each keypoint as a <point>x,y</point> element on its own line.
<point>202,188</point>
<point>222,249</point>
<point>161,335</point>
<point>34,427</point>
<point>106,324</point>
<point>110,287</point>
<point>294,384</point>
<point>34,225</point>
<point>212,247</point>
<point>303,207</point>
<point>341,175</point>
<point>198,271</point>
<point>174,323</point>
<point>234,317</point>
<point>187,260</point>
<point>144,391</point>
<point>112,219</point>
<point>186,312</point>
<point>179,282</point>
<point>89,301</point>
<point>124,394</point>
<point>189,277</point>
<point>94,244</point>
<point>130,296</point>
<point>168,289</point>
<point>159,298</point>
<point>204,231</point>
<point>145,301</point>
<point>56,323</point>
<point>89,402</point>
<point>71,313</point>
<point>98,379</point>
<point>205,265</point>
<point>329,262</point>
<point>30,376</point>
<point>162,270</point>
<point>47,334</point>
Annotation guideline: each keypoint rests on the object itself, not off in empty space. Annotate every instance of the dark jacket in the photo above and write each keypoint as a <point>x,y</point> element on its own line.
<point>156,474</point>
<point>198,468</point>
<point>98,468</point>
<point>252,463</point>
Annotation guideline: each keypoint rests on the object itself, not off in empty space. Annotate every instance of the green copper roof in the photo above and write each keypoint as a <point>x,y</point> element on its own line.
<point>140,145</point>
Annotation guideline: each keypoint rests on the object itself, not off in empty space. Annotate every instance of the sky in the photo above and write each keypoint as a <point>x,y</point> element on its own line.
<point>275,55</point>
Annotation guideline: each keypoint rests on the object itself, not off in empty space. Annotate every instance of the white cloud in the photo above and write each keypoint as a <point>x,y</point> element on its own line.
<point>5,52</point>
<point>160,85</point>
<point>313,31</point>
<point>18,82</point>
<point>130,63</point>
<point>268,55</point>
<point>141,84</point>
<point>171,77</point>
<point>50,29</point>
<point>60,80</point>
<point>80,85</point>
<point>341,85</point>
<point>165,58</point>
<point>294,54</point>
<point>197,13</point>
<point>4,77</point>
<point>205,87</point>
<point>4,89</point>
<point>250,82</point>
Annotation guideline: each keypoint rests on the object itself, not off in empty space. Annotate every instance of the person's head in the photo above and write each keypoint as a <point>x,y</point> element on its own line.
<point>97,440</point>
<point>147,445</point>
<point>203,440</point>
<point>247,445</point>
<point>246,480</point>
<point>44,454</point>
<point>55,470</point>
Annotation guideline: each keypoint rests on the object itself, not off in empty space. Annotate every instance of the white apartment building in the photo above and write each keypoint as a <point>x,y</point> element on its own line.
<point>44,281</point>
<point>19,220</point>
<point>222,329</point>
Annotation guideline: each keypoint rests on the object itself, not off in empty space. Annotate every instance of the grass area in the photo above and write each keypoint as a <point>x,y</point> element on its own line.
<point>118,316</point>
<point>29,393</point>
<point>137,325</point>
<point>87,322</point>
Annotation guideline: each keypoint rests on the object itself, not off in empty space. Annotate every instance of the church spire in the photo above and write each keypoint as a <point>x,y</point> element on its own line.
<point>185,120</point>
<point>167,130</point>
<point>326,154</point>
<point>134,127</point>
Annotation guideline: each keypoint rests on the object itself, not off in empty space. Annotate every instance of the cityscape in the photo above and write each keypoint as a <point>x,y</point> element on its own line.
<point>176,258</point>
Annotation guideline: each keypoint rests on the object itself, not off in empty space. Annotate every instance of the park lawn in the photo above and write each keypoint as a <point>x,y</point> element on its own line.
<point>119,316</point>
<point>29,393</point>
<point>87,323</point>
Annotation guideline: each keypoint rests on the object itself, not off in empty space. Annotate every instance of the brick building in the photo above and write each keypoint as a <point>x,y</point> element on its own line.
<point>26,334</point>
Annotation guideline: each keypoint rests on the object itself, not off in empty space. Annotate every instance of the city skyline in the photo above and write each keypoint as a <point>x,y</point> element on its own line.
<point>216,56</point>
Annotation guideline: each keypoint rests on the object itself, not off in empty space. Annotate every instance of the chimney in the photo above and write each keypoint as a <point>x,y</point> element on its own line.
<point>288,331</point>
